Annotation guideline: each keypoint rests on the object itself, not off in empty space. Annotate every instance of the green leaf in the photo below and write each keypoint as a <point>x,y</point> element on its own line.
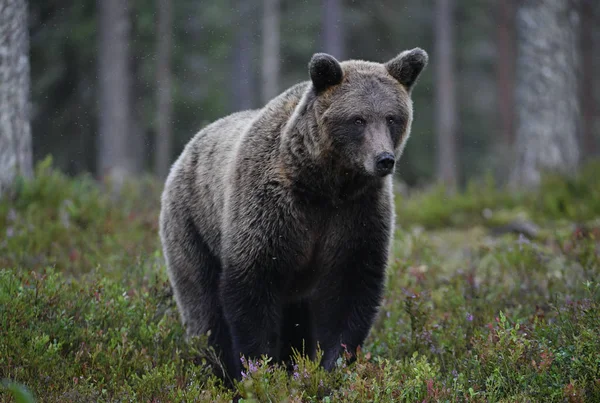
<point>19,392</point>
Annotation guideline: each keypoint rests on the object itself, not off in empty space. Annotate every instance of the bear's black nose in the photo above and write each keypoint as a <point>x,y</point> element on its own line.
<point>384,163</point>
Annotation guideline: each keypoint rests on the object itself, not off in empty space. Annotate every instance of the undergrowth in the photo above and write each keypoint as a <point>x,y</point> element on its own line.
<point>86,313</point>
<point>483,202</point>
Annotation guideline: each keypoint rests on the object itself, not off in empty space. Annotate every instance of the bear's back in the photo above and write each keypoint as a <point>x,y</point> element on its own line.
<point>195,186</point>
<point>248,140</point>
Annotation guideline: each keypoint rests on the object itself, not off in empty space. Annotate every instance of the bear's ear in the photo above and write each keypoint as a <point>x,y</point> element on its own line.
<point>325,71</point>
<point>407,66</point>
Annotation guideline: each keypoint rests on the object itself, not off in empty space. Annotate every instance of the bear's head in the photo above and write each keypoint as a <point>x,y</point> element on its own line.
<point>363,110</point>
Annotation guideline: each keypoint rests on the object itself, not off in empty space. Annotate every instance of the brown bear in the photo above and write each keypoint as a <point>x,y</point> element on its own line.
<point>276,223</point>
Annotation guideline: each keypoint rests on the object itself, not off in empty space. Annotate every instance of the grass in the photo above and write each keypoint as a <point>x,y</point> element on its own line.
<point>86,313</point>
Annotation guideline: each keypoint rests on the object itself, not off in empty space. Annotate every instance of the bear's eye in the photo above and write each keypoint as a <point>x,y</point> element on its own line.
<point>391,120</point>
<point>359,121</point>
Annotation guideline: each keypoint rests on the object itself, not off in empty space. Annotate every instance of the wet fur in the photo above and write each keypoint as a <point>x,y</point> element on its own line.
<point>275,232</point>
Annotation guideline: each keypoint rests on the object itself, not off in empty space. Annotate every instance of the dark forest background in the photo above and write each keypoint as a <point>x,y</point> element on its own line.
<point>216,57</point>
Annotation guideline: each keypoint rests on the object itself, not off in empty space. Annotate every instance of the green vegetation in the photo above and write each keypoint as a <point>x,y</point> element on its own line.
<point>574,199</point>
<point>86,313</point>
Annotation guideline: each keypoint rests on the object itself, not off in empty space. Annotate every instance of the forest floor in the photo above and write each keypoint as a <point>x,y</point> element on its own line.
<point>472,312</point>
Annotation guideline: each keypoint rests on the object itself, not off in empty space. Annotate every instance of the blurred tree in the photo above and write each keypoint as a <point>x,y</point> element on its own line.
<point>242,77</point>
<point>372,32</point>
<point>64,79</point>
<point>270,49</point>
<point>205,71</point>
<point>446,116</point>
<point>138,153</point>
<point>164,132</point>
<point>114,90</point>
<point>333,28</point>
<point>589,76</point>
<point>547,94</point>
<point>505,68</point>
<point>475,23</point>
<point>15,133</point>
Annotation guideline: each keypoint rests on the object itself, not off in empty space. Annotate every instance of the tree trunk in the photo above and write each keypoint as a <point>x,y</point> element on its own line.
<point>114,90</point>
<point>505,69</point>
<point>164,108</point>
<point>333,28</point>
<point>547,95</point>
<point>15,132</point>
<point>242,59</point>
<point>588,77</point>
<point>447,170</point>
<point>270,42</point>
<point>137,152</point>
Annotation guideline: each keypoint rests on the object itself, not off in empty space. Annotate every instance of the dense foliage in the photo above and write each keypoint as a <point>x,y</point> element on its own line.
<point>86,313</point>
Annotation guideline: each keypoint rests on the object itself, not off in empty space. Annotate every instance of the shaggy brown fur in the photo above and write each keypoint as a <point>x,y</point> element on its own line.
<point>276,223</point>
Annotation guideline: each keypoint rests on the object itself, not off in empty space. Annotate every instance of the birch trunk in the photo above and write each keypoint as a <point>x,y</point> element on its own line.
<point>15,132</point>
<point>589,76</point>
<point>547,94</point>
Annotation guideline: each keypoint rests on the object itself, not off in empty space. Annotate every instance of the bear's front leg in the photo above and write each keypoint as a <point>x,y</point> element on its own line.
<point>263,238</point>
<point>347,303</point>
<point>252,309</point>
